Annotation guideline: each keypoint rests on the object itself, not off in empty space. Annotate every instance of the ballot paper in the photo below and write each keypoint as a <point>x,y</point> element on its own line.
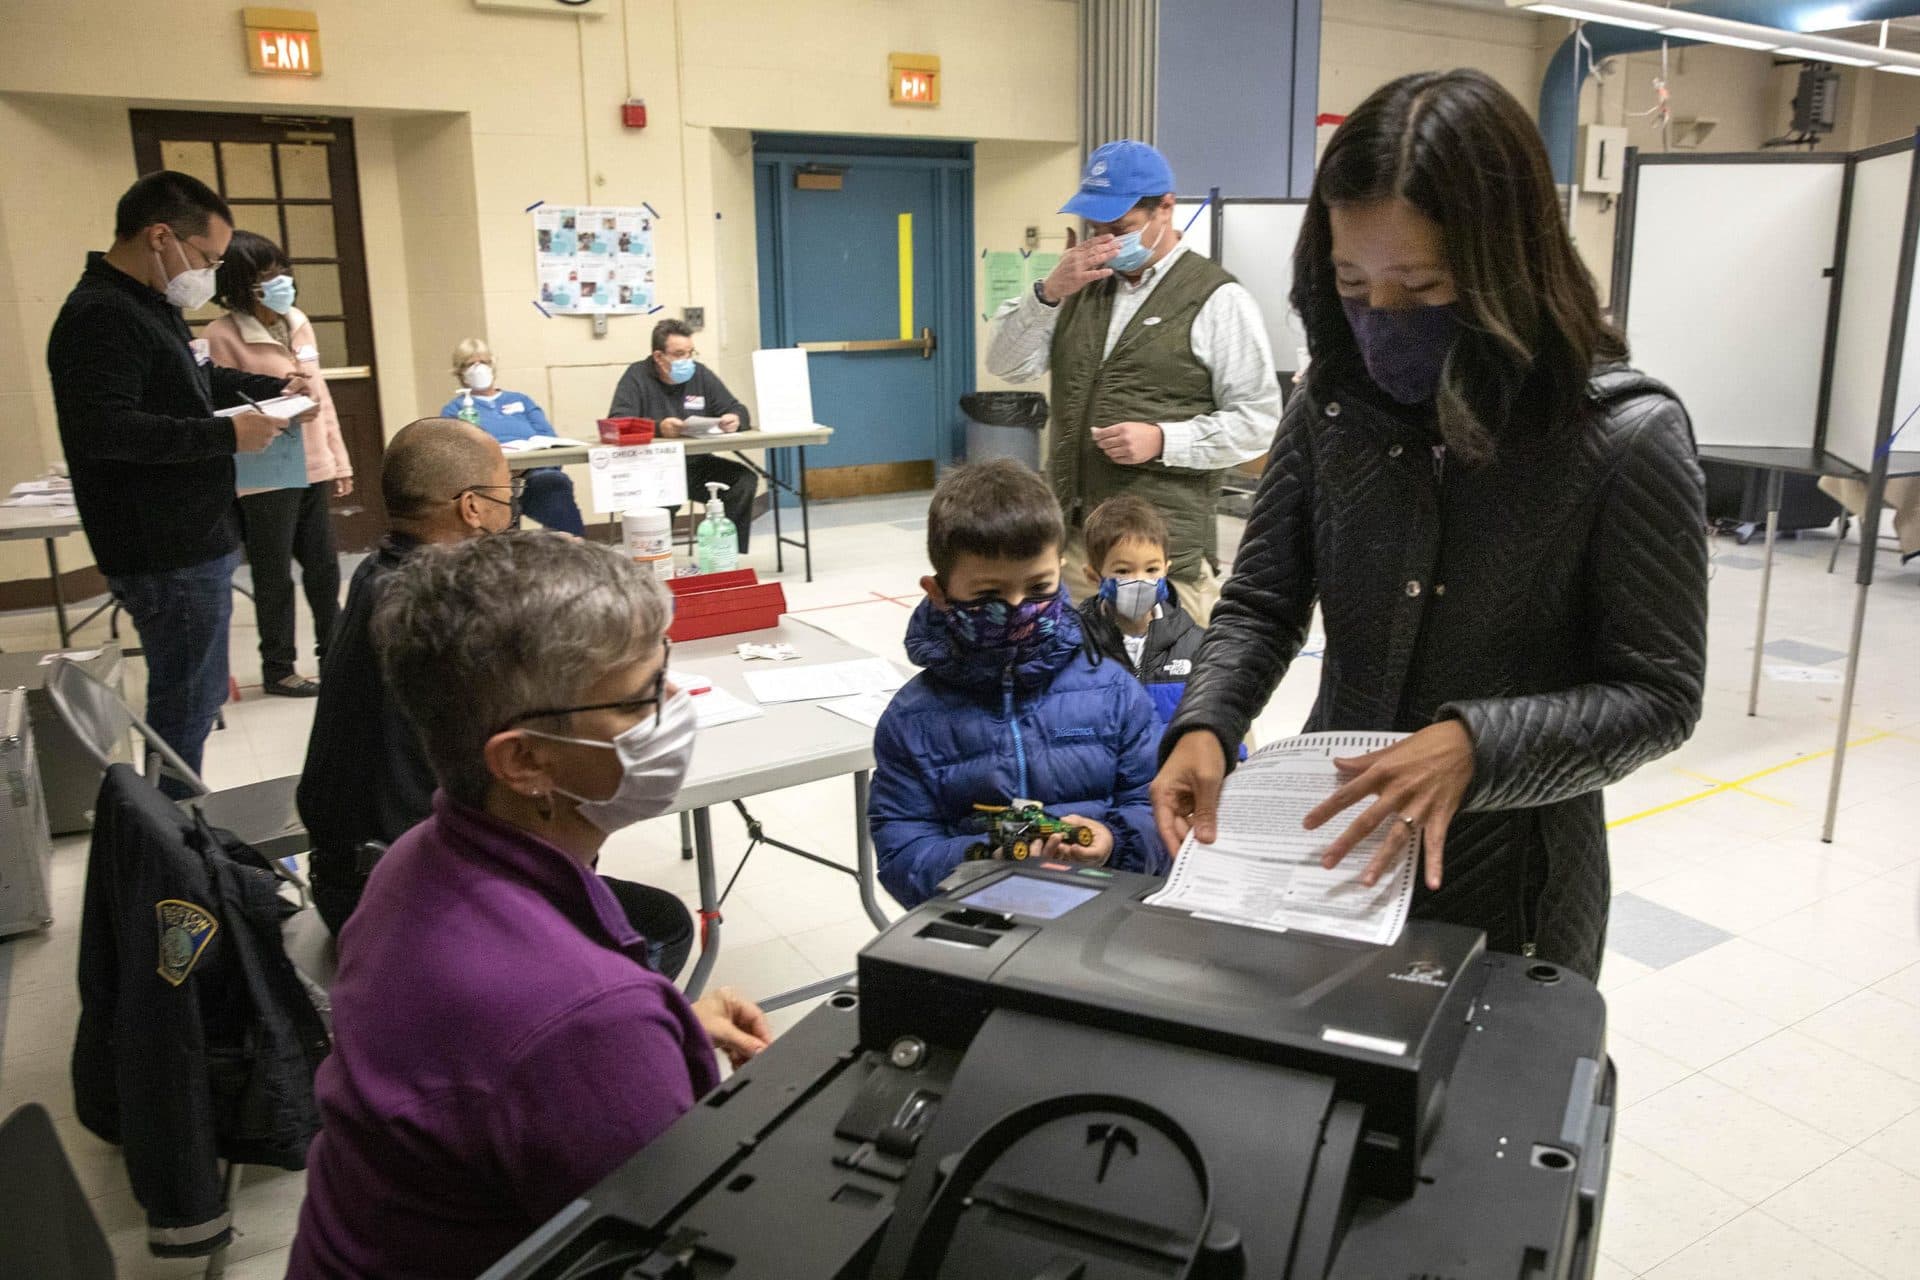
<point>1264,868</point>
<point>864,708</point>
<point>699,426</point>
<point>825,680</point>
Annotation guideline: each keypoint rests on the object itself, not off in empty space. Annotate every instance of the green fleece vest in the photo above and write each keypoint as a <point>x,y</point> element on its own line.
<point>1152,376</point>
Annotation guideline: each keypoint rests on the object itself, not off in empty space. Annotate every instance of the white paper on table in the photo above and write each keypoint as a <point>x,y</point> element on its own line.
<point>825,680</point>
<point>71,655</point>
<point>1263,869</point>
<point>64,501</point>
<point>533,444</point>
<point>639,475</point>
<point>47,484</point>
<point>783,389</point>
<point>864,708</point>
<point>703,426</point>
<point>718,707</point>
<point>687,682</point>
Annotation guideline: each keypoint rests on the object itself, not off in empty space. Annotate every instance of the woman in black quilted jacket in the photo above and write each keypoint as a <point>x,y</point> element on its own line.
<point>1502,523</point>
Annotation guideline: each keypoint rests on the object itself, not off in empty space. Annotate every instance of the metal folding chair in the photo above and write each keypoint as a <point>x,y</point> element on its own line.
<point>261,813</point>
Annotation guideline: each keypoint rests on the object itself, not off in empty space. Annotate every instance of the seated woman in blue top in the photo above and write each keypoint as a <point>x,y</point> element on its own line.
<point>508,416</point>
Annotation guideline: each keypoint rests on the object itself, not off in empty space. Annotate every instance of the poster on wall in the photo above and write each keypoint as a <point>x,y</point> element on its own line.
<point>593,259</point>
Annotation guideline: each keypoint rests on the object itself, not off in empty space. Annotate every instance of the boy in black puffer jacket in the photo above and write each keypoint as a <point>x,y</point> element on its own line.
<point>1135,618</point>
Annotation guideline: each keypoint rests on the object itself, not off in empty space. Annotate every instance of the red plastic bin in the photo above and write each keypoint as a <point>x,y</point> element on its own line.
<point>723,604</point>
<point>626,430</point>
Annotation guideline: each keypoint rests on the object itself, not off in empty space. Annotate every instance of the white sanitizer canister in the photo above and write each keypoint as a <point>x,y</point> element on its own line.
<point>649,538</point>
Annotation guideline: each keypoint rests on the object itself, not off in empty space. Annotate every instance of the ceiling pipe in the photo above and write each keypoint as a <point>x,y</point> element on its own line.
<point>1568,70</point>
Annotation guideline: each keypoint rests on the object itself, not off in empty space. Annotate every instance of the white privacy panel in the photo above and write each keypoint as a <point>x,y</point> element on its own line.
<point>1866,307</point>
<point>1728,297</point>
<point>1195,218</point>
<point>1257,242</point>
<point>1867,300</point>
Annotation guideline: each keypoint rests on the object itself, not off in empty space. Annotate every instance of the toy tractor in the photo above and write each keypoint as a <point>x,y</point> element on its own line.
<point>1018,831</point>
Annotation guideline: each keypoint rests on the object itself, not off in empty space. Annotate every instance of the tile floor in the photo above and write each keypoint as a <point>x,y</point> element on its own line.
<point>1764,988</point>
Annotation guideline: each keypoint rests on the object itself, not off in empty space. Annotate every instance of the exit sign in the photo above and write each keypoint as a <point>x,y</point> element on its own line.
<point>282,42</point>
<point>913,79</point>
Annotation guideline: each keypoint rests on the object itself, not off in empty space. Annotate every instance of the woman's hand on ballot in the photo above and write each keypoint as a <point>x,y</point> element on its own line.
<point>1417,783</point>
<point>1186,791</point>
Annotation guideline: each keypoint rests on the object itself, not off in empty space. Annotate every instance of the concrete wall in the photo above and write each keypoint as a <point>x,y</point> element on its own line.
<point>465,116</point>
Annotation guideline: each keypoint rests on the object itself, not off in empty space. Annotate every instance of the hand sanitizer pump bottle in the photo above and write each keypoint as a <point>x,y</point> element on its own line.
<point>717,548</point>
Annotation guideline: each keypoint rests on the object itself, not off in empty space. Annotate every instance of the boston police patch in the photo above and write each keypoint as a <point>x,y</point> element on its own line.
<point>185,931</point>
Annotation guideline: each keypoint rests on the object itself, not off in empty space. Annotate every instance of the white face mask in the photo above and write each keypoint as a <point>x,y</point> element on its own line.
<point>1134,598</point>
<point>478,376</point>
<point>653,762</point>
<point>192,288</point>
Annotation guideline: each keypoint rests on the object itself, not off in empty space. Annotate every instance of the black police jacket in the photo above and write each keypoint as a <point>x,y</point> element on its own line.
<point>1553,600</point>
<point>197,1040</point>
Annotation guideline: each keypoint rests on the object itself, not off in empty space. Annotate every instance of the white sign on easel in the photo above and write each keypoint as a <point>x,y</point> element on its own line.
<point>635,476</point>
<point>782,389</point>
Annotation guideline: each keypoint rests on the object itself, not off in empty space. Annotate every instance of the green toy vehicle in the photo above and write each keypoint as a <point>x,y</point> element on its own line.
<point>1018,830</point>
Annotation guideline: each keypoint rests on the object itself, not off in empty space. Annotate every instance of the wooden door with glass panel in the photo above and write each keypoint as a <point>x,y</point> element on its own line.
<point>293,180</point>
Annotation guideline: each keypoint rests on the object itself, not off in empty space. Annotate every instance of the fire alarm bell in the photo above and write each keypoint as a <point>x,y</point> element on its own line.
<point>633,113</point>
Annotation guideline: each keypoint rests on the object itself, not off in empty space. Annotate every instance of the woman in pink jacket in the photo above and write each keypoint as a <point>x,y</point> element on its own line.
<point>263,332</point>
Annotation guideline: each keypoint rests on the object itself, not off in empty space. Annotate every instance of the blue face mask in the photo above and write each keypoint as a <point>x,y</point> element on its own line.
<point>680,371</point>
<point>277,294</point>
<point>1133,255</point>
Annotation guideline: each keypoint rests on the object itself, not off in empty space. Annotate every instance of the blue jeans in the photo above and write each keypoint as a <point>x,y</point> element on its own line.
<point>182,616</point>
<point>548,498</point>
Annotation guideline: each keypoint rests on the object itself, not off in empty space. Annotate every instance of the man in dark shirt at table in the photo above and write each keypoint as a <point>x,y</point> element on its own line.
<point>152,464</point>
<point>366,777</point>
<point>670,386</point>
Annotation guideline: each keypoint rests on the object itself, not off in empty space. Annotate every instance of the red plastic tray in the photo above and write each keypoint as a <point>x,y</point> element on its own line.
<point>626,430</point>
<point>723,604</point>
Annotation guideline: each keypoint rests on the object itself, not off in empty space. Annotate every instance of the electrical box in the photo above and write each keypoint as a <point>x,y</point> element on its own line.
<point>1604,169</point>
<point>1816,100</point>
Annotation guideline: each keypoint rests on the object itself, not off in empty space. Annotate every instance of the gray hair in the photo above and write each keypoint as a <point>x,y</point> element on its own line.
<point>473,634</point>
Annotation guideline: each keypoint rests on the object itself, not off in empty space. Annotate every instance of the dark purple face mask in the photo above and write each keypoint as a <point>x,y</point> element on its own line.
<point>1405,349</point>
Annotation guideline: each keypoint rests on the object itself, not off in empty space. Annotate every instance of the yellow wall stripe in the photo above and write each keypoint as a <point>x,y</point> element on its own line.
<point>906,275</point>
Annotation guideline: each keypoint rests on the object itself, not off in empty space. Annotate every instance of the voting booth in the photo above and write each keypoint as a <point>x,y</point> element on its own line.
<point>1772,292</point>
<point>1254,239</point>
<point>1042,1075</point>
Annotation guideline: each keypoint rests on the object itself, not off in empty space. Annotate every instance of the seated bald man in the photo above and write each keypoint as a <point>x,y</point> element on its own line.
<point>366,778</point>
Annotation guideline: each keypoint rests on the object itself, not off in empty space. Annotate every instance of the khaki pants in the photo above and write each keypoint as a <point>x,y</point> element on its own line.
<point>1197,595</point>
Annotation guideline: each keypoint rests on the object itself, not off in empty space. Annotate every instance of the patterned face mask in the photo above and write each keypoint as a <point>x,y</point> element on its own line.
<point>991,625</point>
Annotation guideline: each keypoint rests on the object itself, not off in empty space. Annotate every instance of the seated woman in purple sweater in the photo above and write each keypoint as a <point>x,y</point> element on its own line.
<point>500,1044</point>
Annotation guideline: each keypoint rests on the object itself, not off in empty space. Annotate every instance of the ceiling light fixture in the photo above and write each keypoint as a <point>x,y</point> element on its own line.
<point>1682,24</point>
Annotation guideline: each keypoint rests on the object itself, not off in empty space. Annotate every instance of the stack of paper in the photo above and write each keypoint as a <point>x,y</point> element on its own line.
<point>46,492</point>
<point>533,443</point>
<point>1264,868</point>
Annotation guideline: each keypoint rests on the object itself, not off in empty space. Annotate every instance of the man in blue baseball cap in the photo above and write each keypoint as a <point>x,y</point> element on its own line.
<point>1162,373</point>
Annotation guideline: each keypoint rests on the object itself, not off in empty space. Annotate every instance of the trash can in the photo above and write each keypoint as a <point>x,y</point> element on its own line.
<point>1004,424</point>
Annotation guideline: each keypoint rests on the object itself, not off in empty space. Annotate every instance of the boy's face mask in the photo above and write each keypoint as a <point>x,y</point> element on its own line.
<point>990,624</point>
<point>1133,598</point>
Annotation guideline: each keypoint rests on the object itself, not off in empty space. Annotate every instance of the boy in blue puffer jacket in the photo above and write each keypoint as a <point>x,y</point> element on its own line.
<point>1009,705</point>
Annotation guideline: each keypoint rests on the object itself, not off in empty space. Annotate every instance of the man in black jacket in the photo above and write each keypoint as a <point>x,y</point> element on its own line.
<point>152,465</point>
<point>366,778</point>
<point>669,386</point>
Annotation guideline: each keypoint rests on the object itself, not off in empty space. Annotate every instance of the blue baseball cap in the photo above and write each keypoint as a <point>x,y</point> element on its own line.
<point>1117,177</point>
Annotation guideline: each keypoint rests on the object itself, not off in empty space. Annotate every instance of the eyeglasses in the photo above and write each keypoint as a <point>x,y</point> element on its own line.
<point>516,491</point>
<point>633,706</point>
<point>208,261</point>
